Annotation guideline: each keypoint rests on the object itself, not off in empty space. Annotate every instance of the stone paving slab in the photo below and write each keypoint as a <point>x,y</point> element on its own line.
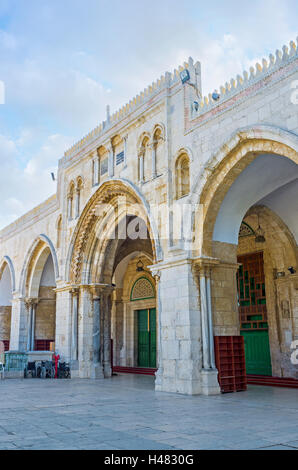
<point>126,413</point>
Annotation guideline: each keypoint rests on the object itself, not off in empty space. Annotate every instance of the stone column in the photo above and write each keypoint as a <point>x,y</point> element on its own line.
<point>34,306</point>
<point>19,324</point>
<point>94,331</point>
<point>153,147</point>
<point>95,168</point>
<point>110,149</point>
<point>210,323</point>
<point>74,324</point>
<point>96,366</point>
<point>125,150</point>
<point>63,329</point>
<point>141,168</point>
<point>159,373</point>
<point>204,322</point>
<point>203,267</point>
<point>29,306</point>
<point>77,203</point>
<point>69,207</point>
<point>180,356</point>
<point>106,305</point>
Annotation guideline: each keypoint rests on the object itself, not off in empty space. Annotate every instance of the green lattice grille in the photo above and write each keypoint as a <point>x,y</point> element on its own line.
<point>251,292</point>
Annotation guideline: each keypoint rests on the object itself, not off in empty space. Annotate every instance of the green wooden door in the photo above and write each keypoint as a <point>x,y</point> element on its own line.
<point>253,314</point>
<point>152,358</point>
<point>147,338</point>
<point>257,352</point>
<point>143,340</point>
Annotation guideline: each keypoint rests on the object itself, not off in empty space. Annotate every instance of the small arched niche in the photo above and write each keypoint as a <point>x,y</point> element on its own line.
<point>182,175</point>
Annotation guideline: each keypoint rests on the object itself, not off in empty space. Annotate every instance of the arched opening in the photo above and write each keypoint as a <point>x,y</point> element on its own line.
<point>182,175</point>
<point>40,276</point>
<point>250,227</point>
<point>103,156</point>
<point>45,321</point>
<point>118,149</point>
<point>266,302</point>
<point>144,161</point>
<point>134,322</point>
<point>121,261</point>
<point>113,246</point>
<point>158,162</point>
<point>78,202</point>
<point>70,201</point>
<point>5,304</point>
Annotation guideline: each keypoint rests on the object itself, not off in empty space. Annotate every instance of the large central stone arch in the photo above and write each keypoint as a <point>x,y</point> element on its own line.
<point>109,204</point>
<point>222,170</point>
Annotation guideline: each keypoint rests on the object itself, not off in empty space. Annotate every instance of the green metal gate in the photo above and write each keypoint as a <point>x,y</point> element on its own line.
<point>147,338</point>
<point>253,314</point>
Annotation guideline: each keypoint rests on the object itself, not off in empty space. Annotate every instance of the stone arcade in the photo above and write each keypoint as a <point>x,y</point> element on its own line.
<point>174,220</point>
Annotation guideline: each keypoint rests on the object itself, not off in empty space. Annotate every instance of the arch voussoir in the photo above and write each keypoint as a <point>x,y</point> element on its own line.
<point>222,170</point>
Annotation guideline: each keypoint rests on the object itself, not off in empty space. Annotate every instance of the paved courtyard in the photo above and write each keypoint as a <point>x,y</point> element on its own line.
<point>126,413</point>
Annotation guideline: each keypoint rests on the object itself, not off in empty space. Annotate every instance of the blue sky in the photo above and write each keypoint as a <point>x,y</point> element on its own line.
<point>63,61</point>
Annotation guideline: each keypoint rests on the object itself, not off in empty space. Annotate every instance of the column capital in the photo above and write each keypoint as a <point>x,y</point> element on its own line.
<point>74,291</point>
<point>203,266</point>
<point>108,145</point>
<point>156,273</point>
<point>98,289</point>
<point>94,154</point>
<point>72,288</point>
<point>30,301</point>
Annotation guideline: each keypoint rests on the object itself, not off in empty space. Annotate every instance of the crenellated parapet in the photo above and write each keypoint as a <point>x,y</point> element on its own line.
<point>165,81</point>
<point>231,92</point>
<point>256,74</point>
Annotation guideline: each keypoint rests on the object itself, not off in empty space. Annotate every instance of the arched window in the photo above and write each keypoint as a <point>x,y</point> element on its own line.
<point>157,153</point>
<point>182,175</point>
<point>144,161</point>
<point>118,149</point>
<point>103,155</point>
<point>70,197</point>
<point>79,187</point>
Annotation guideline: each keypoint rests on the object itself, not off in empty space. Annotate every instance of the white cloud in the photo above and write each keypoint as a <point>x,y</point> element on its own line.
<point>7,40</point>
<point>22,189</point>
<point>61,65</point>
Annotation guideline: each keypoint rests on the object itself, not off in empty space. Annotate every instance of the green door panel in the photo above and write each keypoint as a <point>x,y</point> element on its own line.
<point>257,352</point>
<point>152,361</point>
<point>143,339</point>
<point>147,338</point>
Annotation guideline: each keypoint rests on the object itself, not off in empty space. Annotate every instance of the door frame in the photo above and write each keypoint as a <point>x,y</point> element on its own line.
<point>269,331</point>
<point>141,305</point>
<point>148,310</point>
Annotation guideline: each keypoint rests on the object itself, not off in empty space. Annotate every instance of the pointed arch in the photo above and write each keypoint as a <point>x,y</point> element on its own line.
<point>35,258</point>
<point>182,174</point>
<point>222,170</point>
<point>7,262</point>
<point>84,235</point>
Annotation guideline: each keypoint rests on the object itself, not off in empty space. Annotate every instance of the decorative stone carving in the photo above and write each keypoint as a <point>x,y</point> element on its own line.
<point>245,230</point>
<point>142,289</point>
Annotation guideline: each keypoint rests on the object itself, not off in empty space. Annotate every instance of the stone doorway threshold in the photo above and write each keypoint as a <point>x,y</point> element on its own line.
<point>287,382</point>
<point>134,370</point>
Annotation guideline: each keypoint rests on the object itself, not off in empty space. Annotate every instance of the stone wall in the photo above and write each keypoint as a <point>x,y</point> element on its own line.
<point>259,117</point>
<point>224,290</point>
<point>46,314</point>
<point>5,322</point>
